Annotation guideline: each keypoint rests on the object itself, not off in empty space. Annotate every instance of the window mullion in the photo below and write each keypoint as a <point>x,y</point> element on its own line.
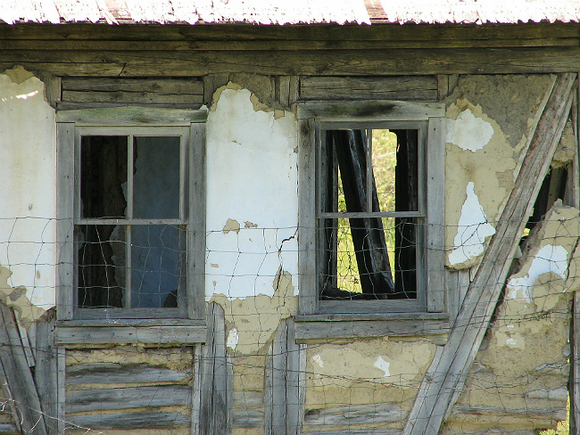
<point>128,228</point>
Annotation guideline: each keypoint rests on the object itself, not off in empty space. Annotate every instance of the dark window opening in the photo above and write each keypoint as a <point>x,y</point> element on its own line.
<point>130,234</point>
<point>370,210</point>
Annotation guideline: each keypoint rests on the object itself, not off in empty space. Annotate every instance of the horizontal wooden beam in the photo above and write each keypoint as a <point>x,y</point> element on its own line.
<point>315,62</point>
<point>320,32</point>
<point>131,334</point>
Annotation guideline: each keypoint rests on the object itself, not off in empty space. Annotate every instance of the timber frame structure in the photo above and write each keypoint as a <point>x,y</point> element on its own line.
<point>317,72</point>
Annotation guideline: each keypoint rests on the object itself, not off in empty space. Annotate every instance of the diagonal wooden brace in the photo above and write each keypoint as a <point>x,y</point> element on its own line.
<point>446,376</point>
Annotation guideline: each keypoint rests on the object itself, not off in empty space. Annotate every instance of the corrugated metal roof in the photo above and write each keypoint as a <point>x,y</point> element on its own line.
<point>289,11</point>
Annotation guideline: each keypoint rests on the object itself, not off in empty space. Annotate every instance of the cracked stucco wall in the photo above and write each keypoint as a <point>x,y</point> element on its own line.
<point>28,191</point>
<point>488,120</point>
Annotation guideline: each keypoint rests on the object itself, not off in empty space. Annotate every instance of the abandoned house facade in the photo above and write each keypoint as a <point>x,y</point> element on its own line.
<point>348,217</point>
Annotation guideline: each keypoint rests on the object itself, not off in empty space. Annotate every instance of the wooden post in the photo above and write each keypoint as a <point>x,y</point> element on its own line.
<point>18,377</point>
<point>446,376</point>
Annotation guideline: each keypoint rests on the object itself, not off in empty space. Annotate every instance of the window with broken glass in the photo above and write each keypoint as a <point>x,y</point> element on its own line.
<point>132,222</point>
<point>371,215</point>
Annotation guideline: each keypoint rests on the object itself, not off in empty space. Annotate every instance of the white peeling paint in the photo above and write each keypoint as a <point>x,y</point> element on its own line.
<point>28,189</point>
<point>468,132</point>
<point>383,365</point>
<point>317,359</point>
<point>251,178</point>
<point>550,258</point>
<point>511,341</point>
<point>472,230</point>
<point>233,338</point>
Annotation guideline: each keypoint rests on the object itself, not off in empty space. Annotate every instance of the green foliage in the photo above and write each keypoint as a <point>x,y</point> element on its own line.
<point>384,160</point>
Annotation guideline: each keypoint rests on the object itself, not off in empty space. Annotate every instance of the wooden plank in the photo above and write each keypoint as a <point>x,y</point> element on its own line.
<point>18,375</point>
<point>284,45</point>
<point>446,375</point>
<point>98,399</point>
<point>412,326</point>
<point>248,409</point>
<point>121,97</point>
<point>386,88</point>
<point>131,334</point>
<point>435,239</point>
<point>357,414</point>
<point>306,216</point>
<point>337,63</point>
<point>336,33</point>
<point>197,213</point>
<point>190,86</point>
<point>9,403</point>
<point>113,373</point>
<point>132,116</point>
<point>131,420</point>
<point>369,111</point>
<point>64,225</point>
<point>575,368</point>
<point>45,372</point>
<point>216,385</point>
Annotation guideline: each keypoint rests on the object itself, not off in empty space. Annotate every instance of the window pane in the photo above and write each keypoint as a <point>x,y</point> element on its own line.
<point>157,265</point>
<point>156,178</point>
<point>101,266</point>
<point>396,170</point>
<point>384,158</point>
<point>103,176</point>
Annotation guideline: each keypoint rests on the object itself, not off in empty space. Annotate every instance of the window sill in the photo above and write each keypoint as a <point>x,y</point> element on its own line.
<point>325,326</point>
<point>121,331</point>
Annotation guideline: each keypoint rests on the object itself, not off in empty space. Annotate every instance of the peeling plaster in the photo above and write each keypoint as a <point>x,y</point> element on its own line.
<point>251,178</point>
<point>468,132</point>
<point>28,180</point>
<point>472,230</point>
<point>257,318</point>
<point>383,365</point>
<point>233,338</point>
<point>549,258</point>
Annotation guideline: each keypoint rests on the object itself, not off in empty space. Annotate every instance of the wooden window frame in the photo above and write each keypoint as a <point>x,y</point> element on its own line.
<point>427,313</point>
<point>131,325</point>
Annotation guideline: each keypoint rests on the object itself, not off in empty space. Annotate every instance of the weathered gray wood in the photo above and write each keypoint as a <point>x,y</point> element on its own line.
<point>575,368</point>
<point>306,62</point>
<point>7,428</point>
<point>309,327</point>
<point>446,375</point>
<point>457,284</point>
<point>248,409</point>
<point>196,390</point>
<point>174,92</point>
<point>211,83</point>
<point>64,225</point>
<point>19,378</point>
<point>45,372</point>
<point>306,216</point>
<point>216,385</point>
<point>385,88</point>
<point>495,412</point>
<point>113,373</point>
<point>161,334</point>
<point>131,420</point>
<point>357,414</point>
<point>282,397</point>
<point>61,388</point>
<point>369,111</point>
<point>9,403</point>
<point>132,116</point>
<point>435,237</point>
<point>188,37</point>
<point>197,212</point>
<point>98,399</point>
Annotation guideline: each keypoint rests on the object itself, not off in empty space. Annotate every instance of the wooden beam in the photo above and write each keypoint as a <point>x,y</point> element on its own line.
<point>284,374</point>
<point>446,376</point>
<point>216,377</point>
<point>18,375</point>
<point>70,33</point>
<point>300,62</point>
